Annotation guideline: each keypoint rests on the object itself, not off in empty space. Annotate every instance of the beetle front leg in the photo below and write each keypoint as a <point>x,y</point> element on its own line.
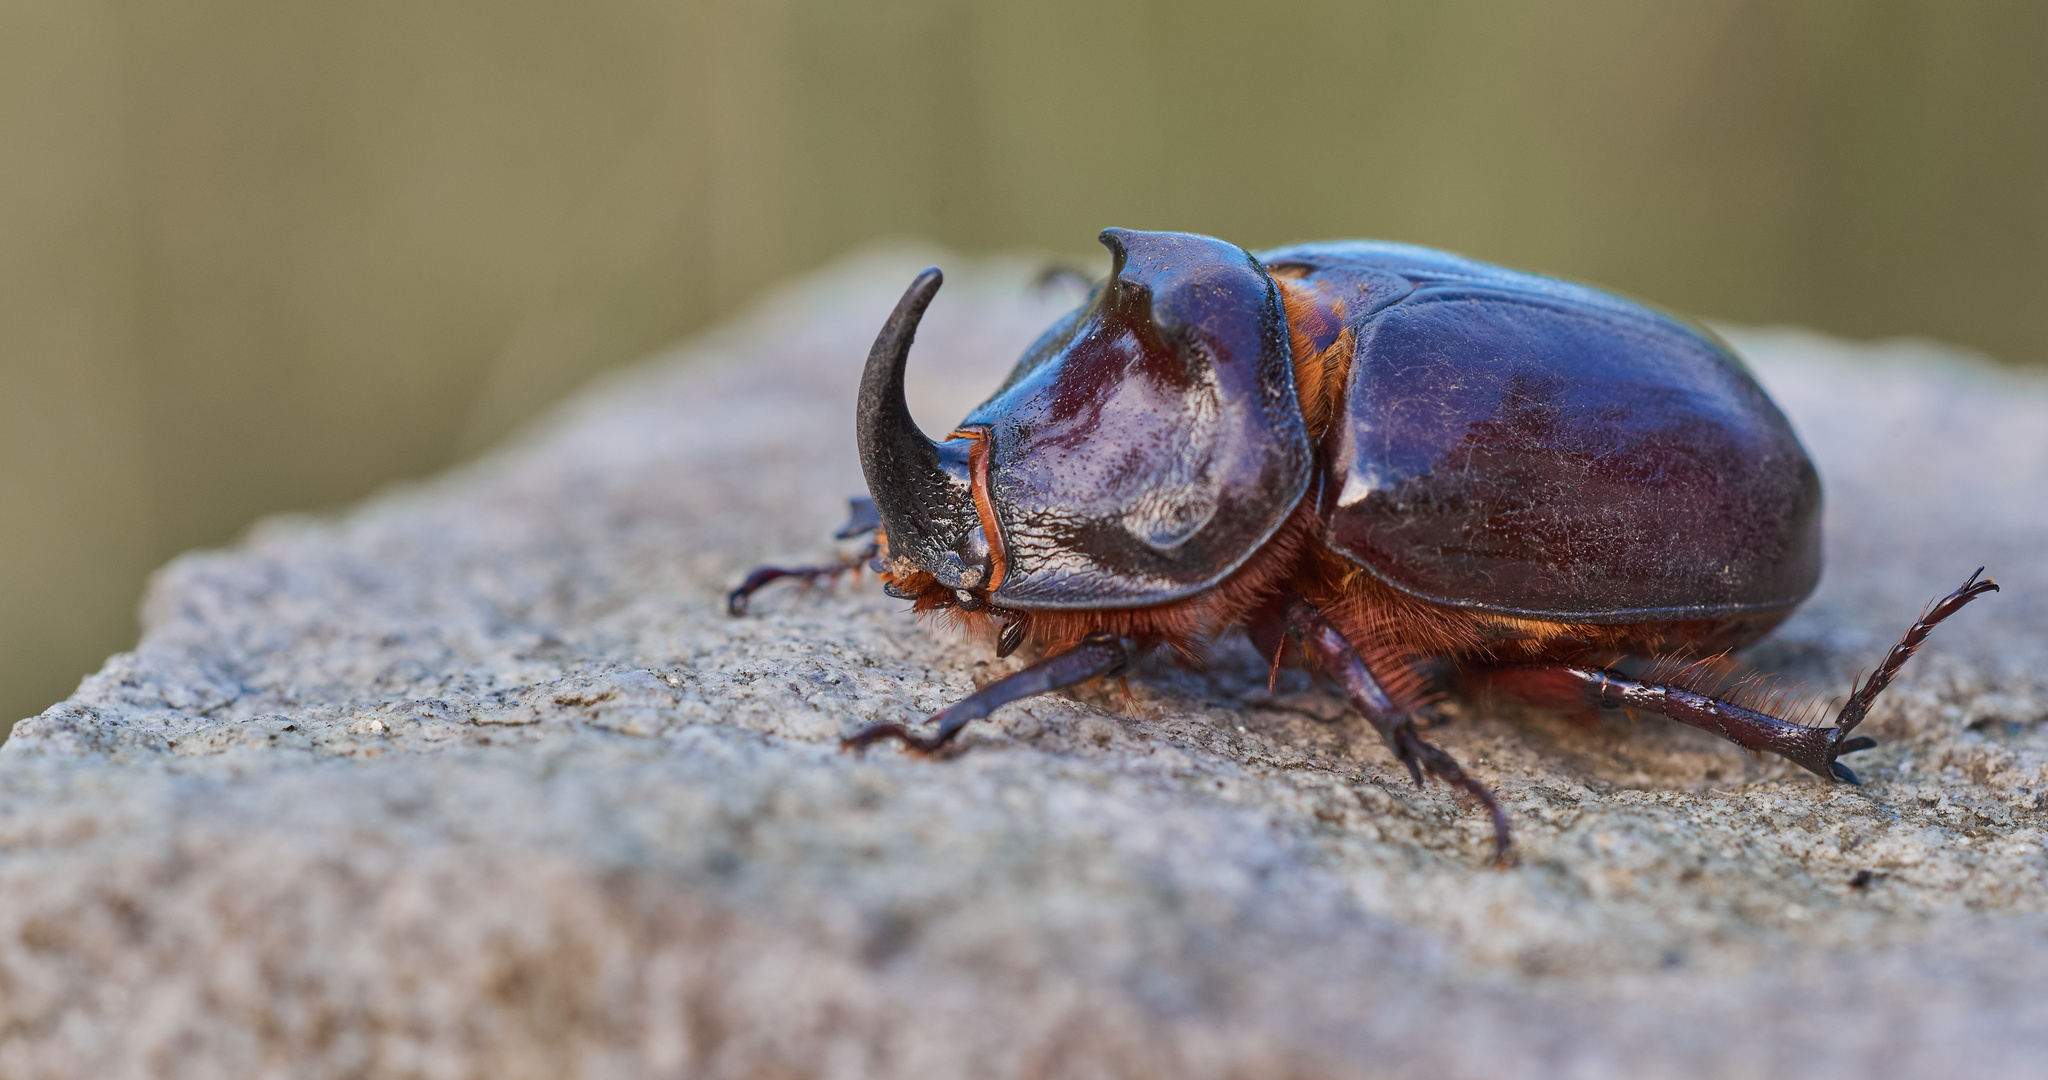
<point>1338,659</point>
<point>736,600</point>
<point>1096,656</point>
<point>861,520</point>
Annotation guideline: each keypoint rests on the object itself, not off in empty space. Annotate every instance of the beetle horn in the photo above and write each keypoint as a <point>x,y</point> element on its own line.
<point>921,488</point>
<point>889,438</point>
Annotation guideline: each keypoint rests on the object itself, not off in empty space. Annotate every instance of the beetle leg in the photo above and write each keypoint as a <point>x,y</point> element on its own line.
<point>861,519</point>
<point>1860,697</point>
<point>1814,749</point>
<point>1337,658</point>
<point>1096,656</point>
<point>1811,748</point>
<point>736,600</point>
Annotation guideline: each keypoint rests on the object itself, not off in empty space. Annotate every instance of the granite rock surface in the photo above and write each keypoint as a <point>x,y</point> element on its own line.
<point>477,779</point>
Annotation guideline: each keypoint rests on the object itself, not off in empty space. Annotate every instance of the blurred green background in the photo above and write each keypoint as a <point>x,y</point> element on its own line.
<point>269,255</point>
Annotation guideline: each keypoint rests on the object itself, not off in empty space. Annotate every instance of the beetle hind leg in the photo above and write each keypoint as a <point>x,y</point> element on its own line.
<point>1813,748</point>
<point>1339,659</point>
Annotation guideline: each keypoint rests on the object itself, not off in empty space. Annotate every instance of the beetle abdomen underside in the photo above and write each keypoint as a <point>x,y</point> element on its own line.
<point>1525,446</point>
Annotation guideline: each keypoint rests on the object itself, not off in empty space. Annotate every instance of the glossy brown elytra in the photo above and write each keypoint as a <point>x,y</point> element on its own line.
<point>1380,461</point>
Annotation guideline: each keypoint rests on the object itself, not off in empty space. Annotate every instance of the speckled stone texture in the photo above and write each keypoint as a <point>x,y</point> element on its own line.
<point>478,780</point>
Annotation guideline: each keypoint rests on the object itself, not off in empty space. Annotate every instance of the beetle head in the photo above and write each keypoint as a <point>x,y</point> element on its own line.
<point>1141,451</point>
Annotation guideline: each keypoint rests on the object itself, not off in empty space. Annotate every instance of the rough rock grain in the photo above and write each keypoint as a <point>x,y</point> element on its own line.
<point>477,780</point>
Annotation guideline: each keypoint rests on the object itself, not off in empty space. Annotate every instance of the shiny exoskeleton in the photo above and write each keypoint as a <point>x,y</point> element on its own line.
<point>1381,461</point>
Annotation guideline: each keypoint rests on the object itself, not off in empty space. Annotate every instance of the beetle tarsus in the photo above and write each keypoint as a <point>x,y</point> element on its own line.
<point>1338,659</point>
<point>1096,656</point>
<point>1414,750</point>
<point>874,733</point>
<point>1861,697</point>
<point>736,601</point>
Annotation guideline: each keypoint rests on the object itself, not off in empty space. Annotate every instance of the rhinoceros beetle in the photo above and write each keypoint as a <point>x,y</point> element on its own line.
<point>1379,461</point>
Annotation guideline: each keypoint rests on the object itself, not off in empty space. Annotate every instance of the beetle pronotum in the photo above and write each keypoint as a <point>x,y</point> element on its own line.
<point>1376,460</point>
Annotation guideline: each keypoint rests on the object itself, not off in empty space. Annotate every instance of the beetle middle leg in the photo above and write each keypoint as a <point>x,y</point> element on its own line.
<point>1096,656</point>
<point>1339,659</point>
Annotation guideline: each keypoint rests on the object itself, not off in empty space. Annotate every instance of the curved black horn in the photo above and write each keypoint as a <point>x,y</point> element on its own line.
<point>921,488</point>
<point>890,443</point>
